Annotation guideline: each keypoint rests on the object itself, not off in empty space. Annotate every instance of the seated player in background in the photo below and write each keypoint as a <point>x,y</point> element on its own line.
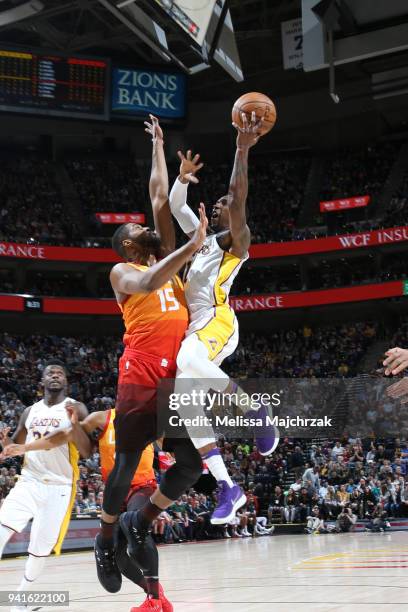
<point>212,334</point>
<point>46,489</point>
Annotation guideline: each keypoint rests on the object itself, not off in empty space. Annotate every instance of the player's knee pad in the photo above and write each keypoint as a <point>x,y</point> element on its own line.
<point>191,352</point>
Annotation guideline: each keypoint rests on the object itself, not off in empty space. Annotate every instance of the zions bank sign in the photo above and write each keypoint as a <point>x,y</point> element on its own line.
<point>138,92</point>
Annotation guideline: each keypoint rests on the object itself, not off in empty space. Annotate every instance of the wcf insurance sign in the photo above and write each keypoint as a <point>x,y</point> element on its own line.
<point>138,92</point>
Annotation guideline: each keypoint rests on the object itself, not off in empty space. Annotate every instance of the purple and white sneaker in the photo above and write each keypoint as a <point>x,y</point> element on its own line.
<point>267,438</point>
<point>230,499</point>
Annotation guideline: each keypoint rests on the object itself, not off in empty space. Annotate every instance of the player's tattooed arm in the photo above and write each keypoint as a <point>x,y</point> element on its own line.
<point>248,136</point>
<point>159,188</point>
<point>127,280</point>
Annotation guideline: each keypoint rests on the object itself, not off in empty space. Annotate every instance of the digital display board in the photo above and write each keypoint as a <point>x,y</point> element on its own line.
<point>139,92</point>
<point>51,84</point>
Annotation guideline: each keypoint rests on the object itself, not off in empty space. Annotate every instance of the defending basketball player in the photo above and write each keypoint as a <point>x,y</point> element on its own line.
<point>212,334</point>
<point>46,489</point>
<point>155,315</point>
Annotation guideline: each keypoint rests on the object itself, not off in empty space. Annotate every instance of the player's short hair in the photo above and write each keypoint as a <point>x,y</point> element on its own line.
<point>56,362</point>
<point>118,237</point>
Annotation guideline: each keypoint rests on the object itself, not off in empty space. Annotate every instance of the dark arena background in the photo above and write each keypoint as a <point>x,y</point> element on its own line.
<point>323,295</point>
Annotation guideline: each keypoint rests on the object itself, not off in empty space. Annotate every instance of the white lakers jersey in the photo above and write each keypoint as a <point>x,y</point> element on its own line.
<point>57,465</point>
<point>210,277</point>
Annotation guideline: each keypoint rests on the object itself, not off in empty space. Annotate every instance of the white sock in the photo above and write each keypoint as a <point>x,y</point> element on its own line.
<point>33,568</point>
<point>217,467</point>
<point>5,535</point>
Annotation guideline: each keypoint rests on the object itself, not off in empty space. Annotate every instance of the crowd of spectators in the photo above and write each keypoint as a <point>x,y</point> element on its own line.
<point>346,272</point>
<point>357,172</point>
<point>31,208</point>
<point>397,210</point>
<point>326,484</point>
<point>106,185</point>
<point>301,353</point>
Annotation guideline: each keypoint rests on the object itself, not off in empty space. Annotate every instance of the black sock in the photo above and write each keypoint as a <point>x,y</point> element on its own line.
<point>152,586</point>
<point>105,536</point>
<point>146,515</point>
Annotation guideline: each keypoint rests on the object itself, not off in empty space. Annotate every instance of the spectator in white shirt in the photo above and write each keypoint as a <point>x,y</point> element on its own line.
<point>337,451</point>
<point>311,478</point>
<point>297,485</point>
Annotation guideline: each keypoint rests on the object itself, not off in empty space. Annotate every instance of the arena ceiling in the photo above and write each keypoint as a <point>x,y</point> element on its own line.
<point>87,27</point>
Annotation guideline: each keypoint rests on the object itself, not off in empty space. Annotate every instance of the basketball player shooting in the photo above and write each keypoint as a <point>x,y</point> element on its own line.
<point>46,489</point>
<point>212,334</point>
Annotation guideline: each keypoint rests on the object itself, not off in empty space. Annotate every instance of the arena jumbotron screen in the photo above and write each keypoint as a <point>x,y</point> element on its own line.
<point>52,84</point>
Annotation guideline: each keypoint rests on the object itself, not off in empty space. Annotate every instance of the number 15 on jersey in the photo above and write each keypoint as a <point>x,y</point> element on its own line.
<point>168,301</point>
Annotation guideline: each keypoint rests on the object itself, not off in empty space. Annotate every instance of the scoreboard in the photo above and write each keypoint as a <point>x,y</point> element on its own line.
<point>53,85</point>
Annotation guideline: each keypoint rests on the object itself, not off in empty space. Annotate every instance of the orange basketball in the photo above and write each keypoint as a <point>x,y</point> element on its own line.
<point>258,102</point>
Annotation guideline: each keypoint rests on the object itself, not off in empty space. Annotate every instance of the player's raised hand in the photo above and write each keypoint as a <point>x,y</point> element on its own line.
<point>4,436</point>
<point>200,233</point>
<point>73,413</point>
<point>189,166</point>
<point>153,128</point>
<point>250,132</point>
<point>12,450</point>
<point>396,361</point>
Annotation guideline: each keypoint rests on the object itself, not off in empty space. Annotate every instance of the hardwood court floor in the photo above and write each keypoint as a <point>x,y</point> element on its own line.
<point>296,573</point>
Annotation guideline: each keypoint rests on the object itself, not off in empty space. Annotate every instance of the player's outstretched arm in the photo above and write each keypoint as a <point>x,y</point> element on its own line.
<point>247,137</point>
<point>159,188</point>
<point>128,280</point>
<point>94,421</point>
<point>189,166</point>
<point>74,434</point>
<point>58,438</point>
<point>396,361</point>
